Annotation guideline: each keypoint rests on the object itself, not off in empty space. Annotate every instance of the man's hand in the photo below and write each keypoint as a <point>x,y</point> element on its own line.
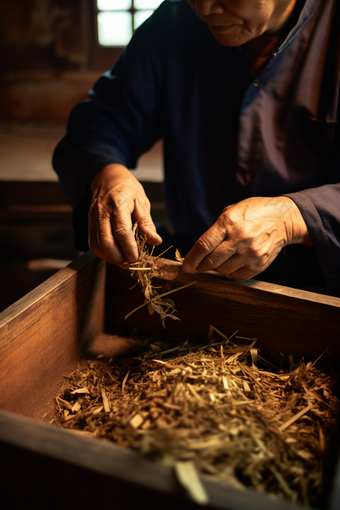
<point>247,237</point>
<point>118,202</point>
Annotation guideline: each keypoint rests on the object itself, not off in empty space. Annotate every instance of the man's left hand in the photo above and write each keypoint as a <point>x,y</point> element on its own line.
<point>247,237</point>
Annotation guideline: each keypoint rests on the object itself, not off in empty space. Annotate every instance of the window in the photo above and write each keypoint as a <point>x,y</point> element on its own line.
<point>117,19</point>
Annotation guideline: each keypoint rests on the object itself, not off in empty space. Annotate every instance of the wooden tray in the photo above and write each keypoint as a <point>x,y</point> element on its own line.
<point>78,313</point>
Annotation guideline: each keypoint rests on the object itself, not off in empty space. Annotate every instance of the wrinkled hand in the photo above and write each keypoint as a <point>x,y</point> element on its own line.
<point>247,237</point>
<point>118,202</point>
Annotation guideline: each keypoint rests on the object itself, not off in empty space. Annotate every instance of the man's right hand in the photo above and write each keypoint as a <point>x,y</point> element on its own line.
<point>118,202</point>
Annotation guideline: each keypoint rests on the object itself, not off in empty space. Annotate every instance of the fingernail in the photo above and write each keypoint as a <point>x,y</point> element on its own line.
<point>131,259</point>
<point>155,238</point>
<point>186,267</point>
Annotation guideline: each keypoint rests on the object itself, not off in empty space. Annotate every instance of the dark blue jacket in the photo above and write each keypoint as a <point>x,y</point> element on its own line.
<point>227,135</point>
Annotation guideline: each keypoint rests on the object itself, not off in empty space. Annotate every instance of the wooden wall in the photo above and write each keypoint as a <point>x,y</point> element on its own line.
<point>49,58</point>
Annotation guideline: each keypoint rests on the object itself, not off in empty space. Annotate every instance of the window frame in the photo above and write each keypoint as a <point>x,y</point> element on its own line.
<point>102,57</point>
<point>132,10</point>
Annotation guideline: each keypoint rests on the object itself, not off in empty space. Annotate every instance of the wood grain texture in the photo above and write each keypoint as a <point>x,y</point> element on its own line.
<point>48,331</point>
<point>84,472</point>
<point>283,319</point>
<point>43,335</point>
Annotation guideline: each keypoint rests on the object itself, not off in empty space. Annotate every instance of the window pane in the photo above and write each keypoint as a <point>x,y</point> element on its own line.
<point>141,16</point>
<point>114,28</point>
<point>147,4</point>
<point>113,5</point>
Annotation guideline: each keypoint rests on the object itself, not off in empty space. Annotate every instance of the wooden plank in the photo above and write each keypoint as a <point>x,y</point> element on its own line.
<point>144,482</point>
<point>283,319</point>
<point>31,193</point>
<point>43,335</point>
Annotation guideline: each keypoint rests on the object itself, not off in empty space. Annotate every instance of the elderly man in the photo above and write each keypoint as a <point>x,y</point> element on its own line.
<point>245,95</point>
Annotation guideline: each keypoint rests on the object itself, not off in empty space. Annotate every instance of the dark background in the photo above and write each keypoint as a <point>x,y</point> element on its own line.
<point>49,60</point>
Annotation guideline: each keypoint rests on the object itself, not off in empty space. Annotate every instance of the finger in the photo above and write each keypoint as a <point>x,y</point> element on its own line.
<point>121,224</point>
<point>101,242</point>
<point>231,265</point>
<point>203,247</point>
<point>243,274</point>
<point>217,257</point>
<point>92,228</point>
<point>238,267</point>
<point>148,229</point>
<point>125,241</point>
<point>110,233</point>
<point>92,237</point>
<point>97,251</point>
<point>146,226</point>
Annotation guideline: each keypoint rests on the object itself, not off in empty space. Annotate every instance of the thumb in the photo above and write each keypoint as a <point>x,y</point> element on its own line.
<point>146,227</point>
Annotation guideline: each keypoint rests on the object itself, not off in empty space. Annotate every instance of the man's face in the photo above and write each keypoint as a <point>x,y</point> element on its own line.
<point>235,22</point>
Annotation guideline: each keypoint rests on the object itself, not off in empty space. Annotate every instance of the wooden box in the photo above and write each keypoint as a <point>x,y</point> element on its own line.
<point>79,312</point>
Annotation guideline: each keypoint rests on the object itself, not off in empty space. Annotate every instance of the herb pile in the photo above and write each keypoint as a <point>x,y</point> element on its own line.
<point>218,406</point>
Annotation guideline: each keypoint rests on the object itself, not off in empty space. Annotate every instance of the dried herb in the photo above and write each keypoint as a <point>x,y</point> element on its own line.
<point>216,407</point>
<point>144,270</point>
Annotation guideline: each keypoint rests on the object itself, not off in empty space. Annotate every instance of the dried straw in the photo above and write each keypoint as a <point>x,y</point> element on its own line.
<point>144,270</point>
<point>215,407</point>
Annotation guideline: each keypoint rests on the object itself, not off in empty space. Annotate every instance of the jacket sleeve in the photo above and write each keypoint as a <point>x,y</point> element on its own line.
<point>120,120</point>
<point>320,208</point>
